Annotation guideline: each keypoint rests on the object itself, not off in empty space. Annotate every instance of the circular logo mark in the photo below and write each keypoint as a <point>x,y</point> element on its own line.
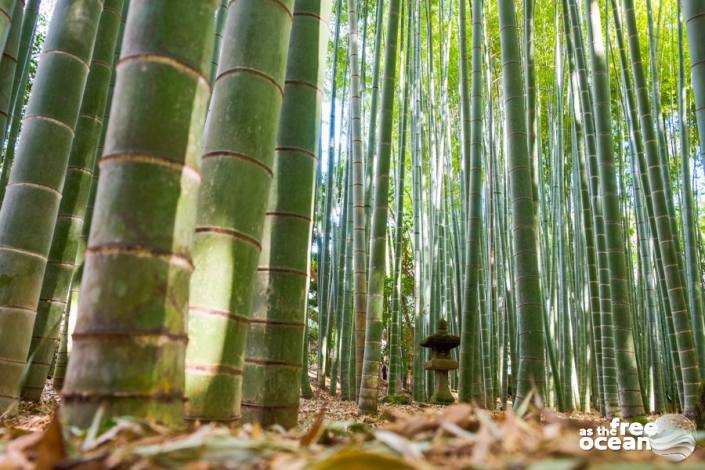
<point>674,438</point>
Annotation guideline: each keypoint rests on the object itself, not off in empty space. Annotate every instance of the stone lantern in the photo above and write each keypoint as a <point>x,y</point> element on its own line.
<point>441,343</point>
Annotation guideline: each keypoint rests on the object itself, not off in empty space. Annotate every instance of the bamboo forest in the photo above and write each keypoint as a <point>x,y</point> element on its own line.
<point>352,234</point>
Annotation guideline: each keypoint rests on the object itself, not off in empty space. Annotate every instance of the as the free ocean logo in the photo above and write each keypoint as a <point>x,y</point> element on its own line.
<point>671,436</point>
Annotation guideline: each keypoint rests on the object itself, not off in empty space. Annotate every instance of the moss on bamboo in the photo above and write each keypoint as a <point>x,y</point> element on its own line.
<point>130,337</point>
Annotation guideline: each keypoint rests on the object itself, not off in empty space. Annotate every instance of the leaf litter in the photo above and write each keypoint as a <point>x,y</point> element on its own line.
<point>330,435</point>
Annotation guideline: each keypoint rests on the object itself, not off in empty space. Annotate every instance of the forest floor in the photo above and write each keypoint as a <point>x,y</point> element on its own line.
<point>330,435</point>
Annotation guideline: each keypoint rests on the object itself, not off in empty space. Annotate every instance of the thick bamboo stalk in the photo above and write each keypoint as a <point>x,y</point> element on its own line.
<point>33,194</point>
<point>238,160</point>
<point>627,379</point>
<point>54,297</point>
<point>7,10</point>
<point>276,327</point>
<point>27,37</point>
<point>8,67</point>
<point>130,336</point>
<point>694,16</point>
<point>692,266</point>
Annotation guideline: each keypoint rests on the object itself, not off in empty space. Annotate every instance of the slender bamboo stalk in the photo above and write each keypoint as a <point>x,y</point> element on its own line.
<point>470,372</point>
<point>531,365</point>
<point>323,253</point>
<point>395,333</point>
<point>359,219</point>
<point>368,394</point>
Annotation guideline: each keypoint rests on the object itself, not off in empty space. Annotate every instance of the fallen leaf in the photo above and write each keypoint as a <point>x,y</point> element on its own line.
<point>356,459</point>
<point>51,449</point>
<point>314,433</point>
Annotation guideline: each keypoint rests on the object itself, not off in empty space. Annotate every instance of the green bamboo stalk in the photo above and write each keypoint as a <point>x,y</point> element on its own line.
<point>7,10</point>
<point>395,333</point>
<point>531,366</point>
<point>694,15</point>
<point>281,287</point>
<point>530,84</point>
<point>306,390</point>
<point>31,203</point>
<point>238,160</point>
<point>325,271</point>
<point>130,336</point>
<point>8,67</point>
<point>322,288</point>
<point>62,353</point>
<point>627,375</point>
<point>593,289</point>
<point>88,212</point>
<point>27,35</point>
<point>667,239</point>
<point>61,266</point>
<point>605,333</point>
<point>326,206</point>
<point>638,144</point>
<point>470,372</point>
<point>220,17</point>
<point>359,219</point>
<point>368,394</point>
<point>372,143</point>
<point>339,288</point>
<point>692,267</point>
<point>347,372</point>
<point>347,369</point>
